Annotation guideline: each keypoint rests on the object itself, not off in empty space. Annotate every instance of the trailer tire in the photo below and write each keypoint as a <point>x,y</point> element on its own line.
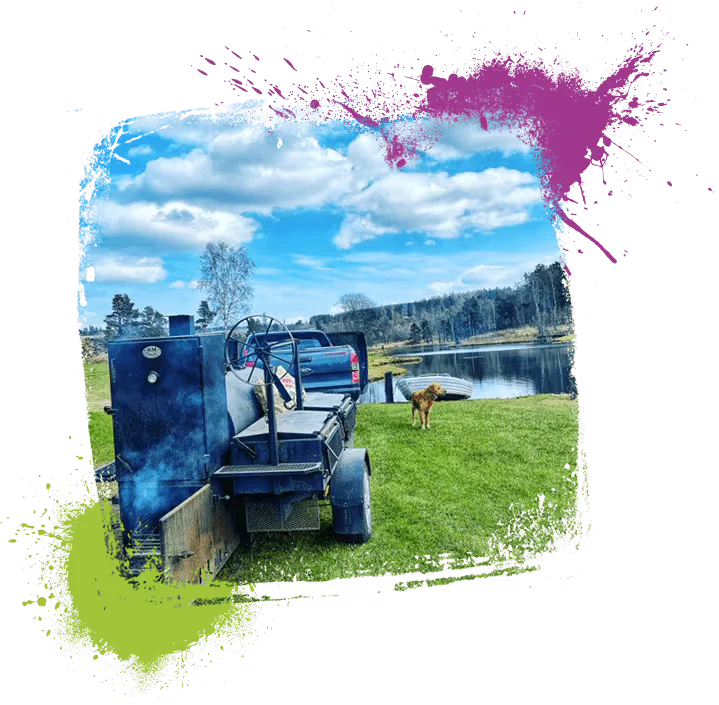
<point>350,497</point>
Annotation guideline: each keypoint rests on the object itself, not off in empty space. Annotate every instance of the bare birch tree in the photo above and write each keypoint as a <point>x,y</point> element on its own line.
<point>226,272</point>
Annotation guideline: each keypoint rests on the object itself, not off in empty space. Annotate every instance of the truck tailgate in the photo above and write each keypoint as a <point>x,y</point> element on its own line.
<point>326,369</point>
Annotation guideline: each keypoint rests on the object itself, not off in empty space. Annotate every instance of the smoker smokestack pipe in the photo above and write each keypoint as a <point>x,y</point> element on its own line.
<point>182,325</point>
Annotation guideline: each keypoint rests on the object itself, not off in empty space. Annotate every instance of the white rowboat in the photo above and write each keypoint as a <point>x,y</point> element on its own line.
<point>455,387</point>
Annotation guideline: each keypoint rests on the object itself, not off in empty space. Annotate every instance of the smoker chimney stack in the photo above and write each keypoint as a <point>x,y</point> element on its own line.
<point>182,325</point>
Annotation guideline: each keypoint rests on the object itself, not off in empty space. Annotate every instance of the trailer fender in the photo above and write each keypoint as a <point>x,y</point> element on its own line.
<point>346,488</point>
<point>350,497</point>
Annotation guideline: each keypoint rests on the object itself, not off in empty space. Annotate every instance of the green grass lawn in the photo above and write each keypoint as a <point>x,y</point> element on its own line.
<point>380,362</point>
<point>97,390</point>
<point>435,492</point>
<point>101,440</point>
<point>445,490</point>
<point>97,385</point>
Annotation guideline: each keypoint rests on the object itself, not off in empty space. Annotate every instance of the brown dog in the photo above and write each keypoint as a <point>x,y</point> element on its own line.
<point>423,401</point>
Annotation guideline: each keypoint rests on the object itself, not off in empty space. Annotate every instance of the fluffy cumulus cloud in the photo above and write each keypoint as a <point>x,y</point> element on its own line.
<point>367,155</point>
<point>174,224</point>
<point>441,140</point>
<point>438,204</point>
<point>244,171</point>
<point>465,140</point>
<point>128,270</point>
<point>211,192</point>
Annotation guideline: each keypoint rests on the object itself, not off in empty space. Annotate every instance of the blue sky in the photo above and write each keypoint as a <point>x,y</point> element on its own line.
<point>319,211</point>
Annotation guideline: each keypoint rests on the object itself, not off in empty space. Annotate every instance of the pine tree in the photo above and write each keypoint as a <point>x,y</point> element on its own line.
<point>152,323</point>
<point>204,316</point>
<point>123,321</point>
<point>415,334</point>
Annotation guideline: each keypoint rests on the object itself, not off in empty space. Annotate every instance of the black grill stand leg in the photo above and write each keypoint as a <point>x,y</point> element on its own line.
<point>271,418</point>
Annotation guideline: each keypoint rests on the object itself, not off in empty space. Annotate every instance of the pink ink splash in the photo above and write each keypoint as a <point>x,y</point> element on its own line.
<point>553,112</point>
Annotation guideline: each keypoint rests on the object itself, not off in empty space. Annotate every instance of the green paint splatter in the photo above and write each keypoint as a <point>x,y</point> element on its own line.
<point>146,624</point>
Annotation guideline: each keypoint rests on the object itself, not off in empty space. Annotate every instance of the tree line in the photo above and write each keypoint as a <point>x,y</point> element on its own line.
<point>541,300</point>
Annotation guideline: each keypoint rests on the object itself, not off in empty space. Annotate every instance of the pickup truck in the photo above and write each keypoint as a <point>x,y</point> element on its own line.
<point>329,362</point>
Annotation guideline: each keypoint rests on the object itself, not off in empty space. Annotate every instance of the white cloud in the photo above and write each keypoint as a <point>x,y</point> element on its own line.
<point>180,284</point>
<point>367,154</point>
<point>130,270</point>
<point>242,170</point>
<point>443,139</point>
<point>438,204</point>
<point>141,150</point>
<point>356,228</point>
<point>199,197</point>
<point>317,263</point>
<point>430,243</point>
<point>471,139</point>
<point>489,276</point>
<point>176,224</point>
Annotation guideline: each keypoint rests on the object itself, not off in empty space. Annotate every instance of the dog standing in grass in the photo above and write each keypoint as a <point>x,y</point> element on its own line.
<point>423,401</point>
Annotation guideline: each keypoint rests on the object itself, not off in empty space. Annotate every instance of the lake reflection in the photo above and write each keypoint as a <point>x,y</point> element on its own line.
<point>496,371</point>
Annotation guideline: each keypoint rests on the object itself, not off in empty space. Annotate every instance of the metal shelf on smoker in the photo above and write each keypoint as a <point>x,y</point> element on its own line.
<point>283,468</point>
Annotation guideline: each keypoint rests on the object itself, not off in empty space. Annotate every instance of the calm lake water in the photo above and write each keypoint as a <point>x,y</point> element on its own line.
<point>496,371</point>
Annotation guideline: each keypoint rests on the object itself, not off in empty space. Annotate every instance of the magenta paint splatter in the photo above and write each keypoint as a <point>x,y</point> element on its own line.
<point>555,113</point>
<point>202,72</point>
<point>669,183</point>
<point>316,104</point>
<point>209,61</point>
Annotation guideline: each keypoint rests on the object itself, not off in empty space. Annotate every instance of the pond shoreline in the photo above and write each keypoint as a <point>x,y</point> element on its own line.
<point>382,359</point>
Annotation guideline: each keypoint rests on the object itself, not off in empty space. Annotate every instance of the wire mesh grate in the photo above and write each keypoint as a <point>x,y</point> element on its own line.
<point>278,514</point>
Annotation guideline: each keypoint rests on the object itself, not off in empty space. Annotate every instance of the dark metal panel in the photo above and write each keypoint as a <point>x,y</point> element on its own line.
<point>214,392</point>
<point>291,424</point>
